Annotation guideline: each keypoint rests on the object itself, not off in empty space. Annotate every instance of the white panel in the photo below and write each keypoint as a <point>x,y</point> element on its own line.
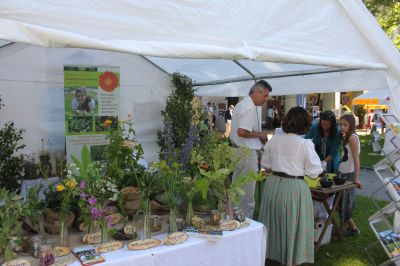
<point>34,96</point>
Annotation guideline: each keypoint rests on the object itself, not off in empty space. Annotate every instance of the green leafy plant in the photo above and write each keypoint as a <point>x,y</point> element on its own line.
<point>123,155</point>
<point>11,166</point>
<point>11,213</point>
<point>34,209</point>
<point>360,112</point>
<point>216,163</point>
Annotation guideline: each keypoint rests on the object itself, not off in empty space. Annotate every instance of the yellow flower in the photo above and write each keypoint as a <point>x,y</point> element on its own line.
<point>71,183</point>
<point>107,123</point>
<point>130,114</point>
<point>60,188</point>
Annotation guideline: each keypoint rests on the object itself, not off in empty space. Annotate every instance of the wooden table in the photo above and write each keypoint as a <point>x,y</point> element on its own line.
<point>322,195</point>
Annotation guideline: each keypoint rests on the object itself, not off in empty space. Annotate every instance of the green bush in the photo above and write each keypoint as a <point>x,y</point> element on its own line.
<point>11,166</point>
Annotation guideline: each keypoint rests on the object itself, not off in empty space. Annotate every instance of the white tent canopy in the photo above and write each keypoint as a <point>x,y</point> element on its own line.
<point>316,45</point>
<point>335,33</point>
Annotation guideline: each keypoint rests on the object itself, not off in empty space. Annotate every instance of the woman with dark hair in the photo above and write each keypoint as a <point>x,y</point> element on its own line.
<point>82,103</point>
<point>286,206</point>
<point>325,134</point>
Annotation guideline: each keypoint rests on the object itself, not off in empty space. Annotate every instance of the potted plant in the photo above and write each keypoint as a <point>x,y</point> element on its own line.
<point>11,213</point>
<point>216,163</point>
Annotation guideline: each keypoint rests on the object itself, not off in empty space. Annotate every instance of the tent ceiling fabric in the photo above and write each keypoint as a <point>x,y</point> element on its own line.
<point>329,82</point>
<point>313,32</point>
<point>335,33</point>
<point>208,70</point>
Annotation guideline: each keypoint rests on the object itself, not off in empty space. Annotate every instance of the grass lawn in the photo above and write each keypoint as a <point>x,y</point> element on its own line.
<point>350,251</point>
<point>367,156</point>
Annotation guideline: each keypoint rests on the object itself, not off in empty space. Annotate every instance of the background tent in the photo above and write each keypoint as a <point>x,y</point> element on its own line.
<point>340,36</point>
<point>373,99</point>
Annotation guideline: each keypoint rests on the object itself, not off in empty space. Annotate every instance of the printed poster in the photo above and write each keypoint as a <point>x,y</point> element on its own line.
<point>91,97</point>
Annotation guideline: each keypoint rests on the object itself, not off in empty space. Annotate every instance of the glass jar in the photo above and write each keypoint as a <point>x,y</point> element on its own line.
<point>46,255</point>
<point>240,216</point>
<point>215,217</point>
<point>155,223</point>
<point>180,224</point>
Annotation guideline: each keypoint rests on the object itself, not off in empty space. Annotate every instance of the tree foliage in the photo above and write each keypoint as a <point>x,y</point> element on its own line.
<point>387,13</point>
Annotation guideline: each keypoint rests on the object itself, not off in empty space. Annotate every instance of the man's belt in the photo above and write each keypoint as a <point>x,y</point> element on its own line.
<point>282,174</point>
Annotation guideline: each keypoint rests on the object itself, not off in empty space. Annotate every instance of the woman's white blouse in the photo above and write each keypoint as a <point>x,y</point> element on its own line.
<point>291,154</point>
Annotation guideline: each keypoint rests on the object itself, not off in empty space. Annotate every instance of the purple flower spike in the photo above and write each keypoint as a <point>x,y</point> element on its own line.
<point>94,213</point>
<point>82,184</point>
<point>92,200</point>
<point>83,195</point>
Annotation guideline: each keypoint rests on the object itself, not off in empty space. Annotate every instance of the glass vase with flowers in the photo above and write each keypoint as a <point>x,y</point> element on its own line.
<point>171,177</point>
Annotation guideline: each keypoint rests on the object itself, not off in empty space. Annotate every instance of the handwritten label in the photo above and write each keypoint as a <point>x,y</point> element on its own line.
<point>128,229</point>
<point>116,218</point>
<point>245,223</point>
<point>108,247</point>
<point>176,238</point>
<point>17,262</point>
<point>93,238</point>
<point>144,244</point>
<point>61,251</point>
<point>229,225</point>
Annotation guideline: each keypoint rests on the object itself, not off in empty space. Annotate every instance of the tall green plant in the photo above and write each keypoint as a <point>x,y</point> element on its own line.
<point>11,166</point>
<point>178,116</point>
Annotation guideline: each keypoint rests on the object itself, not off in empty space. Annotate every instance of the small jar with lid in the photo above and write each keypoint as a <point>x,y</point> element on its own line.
<point>46,255</point>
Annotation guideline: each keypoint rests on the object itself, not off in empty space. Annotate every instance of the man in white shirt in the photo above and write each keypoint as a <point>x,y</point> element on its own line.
<point>245,131</point>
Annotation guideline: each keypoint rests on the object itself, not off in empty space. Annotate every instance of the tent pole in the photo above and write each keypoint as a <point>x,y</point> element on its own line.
<point>245,69</point>
<point>272,76</point>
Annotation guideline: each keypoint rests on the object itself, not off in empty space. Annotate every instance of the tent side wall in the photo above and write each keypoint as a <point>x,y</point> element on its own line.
<point>33,92</point>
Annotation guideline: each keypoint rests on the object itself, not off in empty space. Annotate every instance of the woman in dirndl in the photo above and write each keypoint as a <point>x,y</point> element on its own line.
<point>286,207</point>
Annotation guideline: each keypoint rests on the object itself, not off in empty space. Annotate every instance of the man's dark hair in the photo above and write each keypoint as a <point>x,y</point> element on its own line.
<point>260,84</point>
<point>296,121</point>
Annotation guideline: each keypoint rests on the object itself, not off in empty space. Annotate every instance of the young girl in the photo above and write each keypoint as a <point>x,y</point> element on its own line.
<point>349,168</point>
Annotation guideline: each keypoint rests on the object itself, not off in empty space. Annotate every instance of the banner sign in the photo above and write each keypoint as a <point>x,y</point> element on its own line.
<point>91,97</point>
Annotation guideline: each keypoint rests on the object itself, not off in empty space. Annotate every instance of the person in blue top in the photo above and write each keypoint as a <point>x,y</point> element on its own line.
<point>325,134</point>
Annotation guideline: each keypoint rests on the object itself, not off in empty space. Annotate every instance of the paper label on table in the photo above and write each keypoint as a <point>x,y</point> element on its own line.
<point>128,229</point>
<point>93,238</point>
<point>116,218</point>
<point>176,238</point>
<point>144,244</point>
<point>108,247</point>
<point>61,251</point>
<point>245,223</point>
<point>229,225</point>
<point>17,262</point>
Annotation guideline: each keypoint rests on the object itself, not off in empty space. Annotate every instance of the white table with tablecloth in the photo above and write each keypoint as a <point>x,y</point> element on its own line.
<point>241,247</point>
